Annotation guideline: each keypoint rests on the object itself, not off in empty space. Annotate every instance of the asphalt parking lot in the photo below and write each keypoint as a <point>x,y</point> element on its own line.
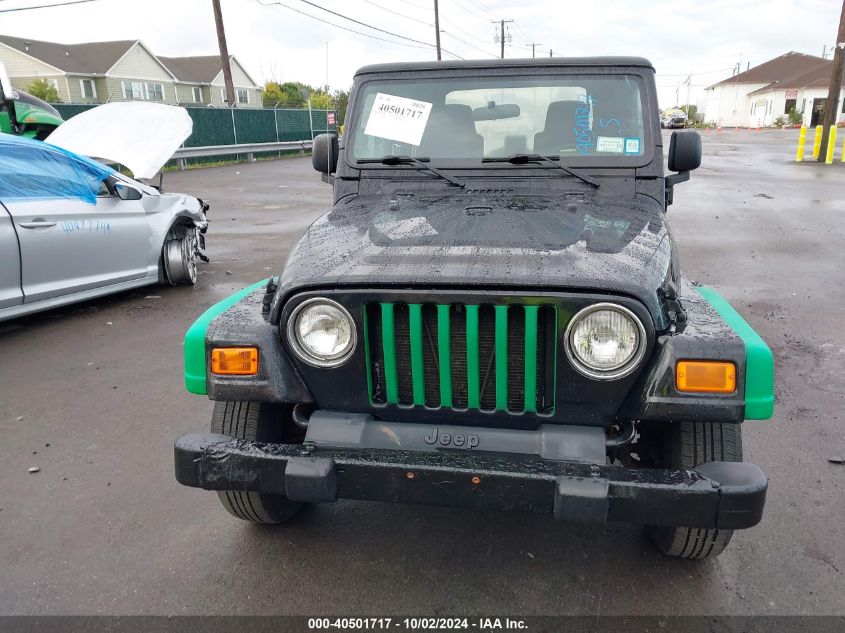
<point>93,395</point>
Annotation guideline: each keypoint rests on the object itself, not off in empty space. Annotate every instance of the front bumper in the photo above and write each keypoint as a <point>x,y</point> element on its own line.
<point>722,495</point>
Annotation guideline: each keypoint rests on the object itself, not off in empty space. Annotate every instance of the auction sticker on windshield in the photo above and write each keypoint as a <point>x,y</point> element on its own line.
<point>611,144</point>
<point>397,118</point>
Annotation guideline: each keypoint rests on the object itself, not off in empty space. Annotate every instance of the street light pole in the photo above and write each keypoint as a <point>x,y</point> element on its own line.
<point>437,28</point>
<point>831,106</point>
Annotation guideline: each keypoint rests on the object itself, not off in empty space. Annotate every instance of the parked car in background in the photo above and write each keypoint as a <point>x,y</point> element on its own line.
<point>674,119</point>
<point>24,114</point>
<point>72,228</point>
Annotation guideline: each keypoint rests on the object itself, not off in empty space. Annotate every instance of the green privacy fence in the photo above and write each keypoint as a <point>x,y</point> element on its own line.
<point>232,126</point>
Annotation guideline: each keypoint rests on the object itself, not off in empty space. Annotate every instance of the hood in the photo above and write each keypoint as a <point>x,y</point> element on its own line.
<point>141,136</point>
<point>583,242</point>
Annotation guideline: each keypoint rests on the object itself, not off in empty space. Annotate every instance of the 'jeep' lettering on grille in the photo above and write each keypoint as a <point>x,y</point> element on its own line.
<point>453,440</point>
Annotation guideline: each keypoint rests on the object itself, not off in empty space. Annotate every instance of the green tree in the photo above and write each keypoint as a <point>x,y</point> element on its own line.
<point>290,94</point>
<point>43,89</point>
<point>690,110</point>
<point>341,101</point>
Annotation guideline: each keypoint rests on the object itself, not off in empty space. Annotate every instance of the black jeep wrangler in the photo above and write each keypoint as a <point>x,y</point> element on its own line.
<point>491,314</point>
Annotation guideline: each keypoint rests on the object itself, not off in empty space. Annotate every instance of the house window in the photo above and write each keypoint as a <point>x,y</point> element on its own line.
<point>243,95</point>
<point>155,92</point>
<point>790,105</point>
<point>88,89</point>
<point>133,90</point>
<point>197,93</point>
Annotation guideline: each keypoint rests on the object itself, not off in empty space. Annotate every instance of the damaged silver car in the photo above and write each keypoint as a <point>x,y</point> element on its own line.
<point>73,228</point>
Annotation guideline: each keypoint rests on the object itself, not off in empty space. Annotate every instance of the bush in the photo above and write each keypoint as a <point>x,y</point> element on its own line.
<point>780,121</point>
<point>43,89</point>
<point>795,118</point>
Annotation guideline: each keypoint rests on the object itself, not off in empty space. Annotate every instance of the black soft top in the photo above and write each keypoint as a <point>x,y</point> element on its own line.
<point>545,62</point>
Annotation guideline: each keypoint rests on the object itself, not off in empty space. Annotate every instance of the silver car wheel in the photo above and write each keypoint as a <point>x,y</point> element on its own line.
<point>180,259</point>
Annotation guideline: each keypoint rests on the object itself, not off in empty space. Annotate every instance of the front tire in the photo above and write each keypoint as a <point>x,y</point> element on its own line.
<point>261,422</point>
<point>687,445</point>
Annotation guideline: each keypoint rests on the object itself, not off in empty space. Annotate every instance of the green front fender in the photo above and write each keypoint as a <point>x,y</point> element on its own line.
<point>195,352</point>
<point>759,363</point>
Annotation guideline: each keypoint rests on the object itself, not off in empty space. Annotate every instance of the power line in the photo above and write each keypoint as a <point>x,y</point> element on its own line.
<point>414,4</point>
<point>471,12</point>
<point>314,17</point>
<point>401,15</point>
<point>46,6</point>
<point>704,72</point>
<point>481,6</point>
<point>375,28</point>
<point>468,34</point>
<point>464,42</point>
<point>369,26</point>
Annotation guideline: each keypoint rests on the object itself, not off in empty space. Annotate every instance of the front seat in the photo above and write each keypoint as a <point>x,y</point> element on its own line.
<point>450,133</point>
<point>559,132</point>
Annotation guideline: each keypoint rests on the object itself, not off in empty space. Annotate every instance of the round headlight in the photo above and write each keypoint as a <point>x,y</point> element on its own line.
<point>605,341</point>
<point>322,332</point>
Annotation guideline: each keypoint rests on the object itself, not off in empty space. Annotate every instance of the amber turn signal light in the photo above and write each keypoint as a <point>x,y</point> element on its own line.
<point>705,376</point>
<point>234,361</point>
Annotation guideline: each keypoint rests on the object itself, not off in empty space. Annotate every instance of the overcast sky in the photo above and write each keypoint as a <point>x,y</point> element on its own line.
<point>704,38</point>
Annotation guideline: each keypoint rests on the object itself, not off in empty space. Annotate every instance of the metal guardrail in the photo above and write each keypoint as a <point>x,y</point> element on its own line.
<point>250,149</point>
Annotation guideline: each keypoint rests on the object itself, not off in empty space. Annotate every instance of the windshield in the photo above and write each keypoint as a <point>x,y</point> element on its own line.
<point>572,117</point>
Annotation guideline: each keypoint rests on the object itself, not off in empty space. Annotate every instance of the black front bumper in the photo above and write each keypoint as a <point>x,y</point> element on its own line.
<point>721,495</point>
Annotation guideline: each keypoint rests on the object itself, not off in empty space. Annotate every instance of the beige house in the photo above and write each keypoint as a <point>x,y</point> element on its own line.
<point>100,72</point>
<point>96,72</point>
<point>199,81</point>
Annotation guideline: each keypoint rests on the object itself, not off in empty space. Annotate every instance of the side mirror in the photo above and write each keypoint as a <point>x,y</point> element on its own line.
<point>324,153</point>
<point>684,156</point>
<point>8,92</point>
<point>684,151</point>
<point>125,192</point>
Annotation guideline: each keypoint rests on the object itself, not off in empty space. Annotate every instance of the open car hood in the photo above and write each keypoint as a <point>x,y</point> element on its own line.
<point>141,136</point>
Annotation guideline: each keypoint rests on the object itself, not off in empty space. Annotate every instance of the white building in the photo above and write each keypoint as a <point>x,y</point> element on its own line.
<point>758,96</point>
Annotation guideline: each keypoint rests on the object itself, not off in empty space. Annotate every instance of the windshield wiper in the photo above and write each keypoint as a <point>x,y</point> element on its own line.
<point>522,159</point>
<point>419,163</point>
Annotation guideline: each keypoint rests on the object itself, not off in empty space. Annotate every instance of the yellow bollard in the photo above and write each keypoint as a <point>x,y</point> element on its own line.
<point>831,145</point>
<point>843,149</point>
<point>817,142</point>
<point>802,141</point>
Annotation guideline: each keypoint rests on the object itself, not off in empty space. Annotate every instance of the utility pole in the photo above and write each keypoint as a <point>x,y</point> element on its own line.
<point>224,54</point>
<point>502,23</point>
<point>831,106</point>
<point>533,45</point>
<point>437,28</point>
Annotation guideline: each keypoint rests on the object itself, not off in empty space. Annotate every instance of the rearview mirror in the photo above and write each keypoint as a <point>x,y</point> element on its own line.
<point>324,153</point>
<point>494,111</point>
<point>125,192</point>
<point>684,151</point>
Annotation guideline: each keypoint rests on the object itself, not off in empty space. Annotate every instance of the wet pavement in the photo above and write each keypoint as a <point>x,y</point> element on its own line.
<point>93,395</point>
